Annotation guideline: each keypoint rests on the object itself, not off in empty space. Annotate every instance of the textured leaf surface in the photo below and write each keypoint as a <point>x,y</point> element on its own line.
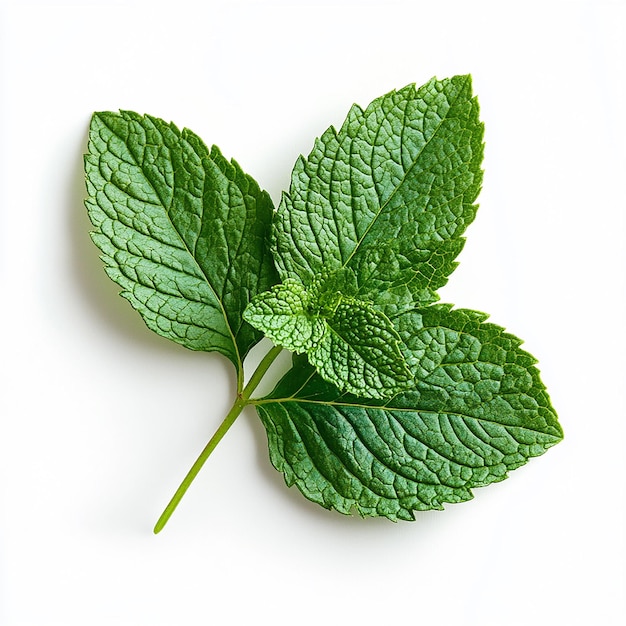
<point>182,230</point>
<point>388,196</point>
<point>478,411</point>
<point>393,404</point>
<point>350,343</point>
<point>284,315</point>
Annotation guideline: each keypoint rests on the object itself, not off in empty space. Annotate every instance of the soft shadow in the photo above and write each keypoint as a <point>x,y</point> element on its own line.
<point>95,288</point>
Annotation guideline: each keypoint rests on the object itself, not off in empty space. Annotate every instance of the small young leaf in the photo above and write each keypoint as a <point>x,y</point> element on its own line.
<point>479,411</point>
<point>350,343</point>
<point>388,196</point>
<point>182,230</point>
<point>284,315</point>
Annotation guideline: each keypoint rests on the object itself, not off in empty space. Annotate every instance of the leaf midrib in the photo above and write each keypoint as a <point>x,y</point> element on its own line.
<point>401,183</point>
<point>386,407</point>
<point>398,470</point>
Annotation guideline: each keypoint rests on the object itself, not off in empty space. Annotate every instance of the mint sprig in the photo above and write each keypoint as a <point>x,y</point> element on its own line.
<point>394,404</point>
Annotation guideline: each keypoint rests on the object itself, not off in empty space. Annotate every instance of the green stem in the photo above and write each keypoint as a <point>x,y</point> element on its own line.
<point>233,414</point>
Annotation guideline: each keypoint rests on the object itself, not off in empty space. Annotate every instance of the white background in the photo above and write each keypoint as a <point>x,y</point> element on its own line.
<point>100,419</point>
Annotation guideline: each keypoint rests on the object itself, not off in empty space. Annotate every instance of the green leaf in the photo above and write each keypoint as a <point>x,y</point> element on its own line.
<point>388,196</point>
<point>284,315</point>
<point>350,343</point>
<point>182,230</point>
<point>478,411</point>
